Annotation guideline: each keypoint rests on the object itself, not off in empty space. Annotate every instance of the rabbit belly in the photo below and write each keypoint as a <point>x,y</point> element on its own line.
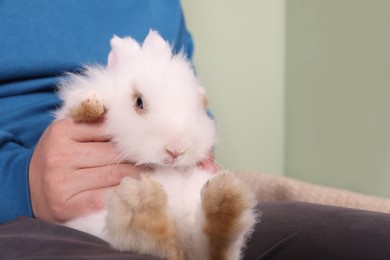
<point>185,208</point>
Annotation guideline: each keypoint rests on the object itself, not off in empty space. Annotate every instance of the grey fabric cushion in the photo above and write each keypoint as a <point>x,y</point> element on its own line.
<point>295,230</point>
<point>28,238</point>
<point>288,230</point>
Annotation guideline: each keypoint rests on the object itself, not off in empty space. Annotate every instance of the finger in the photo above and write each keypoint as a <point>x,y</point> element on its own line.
<point>84,132</point>
<point>89,132</point>
<point>103,177</point>
<point>87,202</point>
<point>94,154</point>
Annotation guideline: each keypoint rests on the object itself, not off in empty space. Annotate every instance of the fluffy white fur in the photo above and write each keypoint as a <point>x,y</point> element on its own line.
<point>173,119</point>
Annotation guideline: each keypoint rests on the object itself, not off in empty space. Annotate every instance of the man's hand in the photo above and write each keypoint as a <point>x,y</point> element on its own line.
<point>71,170</point>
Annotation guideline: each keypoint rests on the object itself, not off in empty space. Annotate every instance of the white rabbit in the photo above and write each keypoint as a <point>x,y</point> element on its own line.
<point>155,112</point>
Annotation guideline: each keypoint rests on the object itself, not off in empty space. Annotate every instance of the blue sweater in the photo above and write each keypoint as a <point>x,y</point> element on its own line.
<point>39,41</point>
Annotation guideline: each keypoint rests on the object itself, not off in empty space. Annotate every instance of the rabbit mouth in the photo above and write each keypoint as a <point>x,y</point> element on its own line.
<point>165,164</point>
<point>173,162</point>
<point>169,161</point>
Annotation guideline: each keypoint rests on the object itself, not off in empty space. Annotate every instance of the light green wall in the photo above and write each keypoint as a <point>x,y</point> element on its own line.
<point>239,55</point>
<point>338,93</point>
<point>299,87</point>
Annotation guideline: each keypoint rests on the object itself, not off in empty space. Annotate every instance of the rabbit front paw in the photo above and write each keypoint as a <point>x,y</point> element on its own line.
<point>88,110</point>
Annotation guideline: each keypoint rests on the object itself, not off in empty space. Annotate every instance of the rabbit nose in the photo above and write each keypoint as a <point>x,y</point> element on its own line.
<point>174,153</point>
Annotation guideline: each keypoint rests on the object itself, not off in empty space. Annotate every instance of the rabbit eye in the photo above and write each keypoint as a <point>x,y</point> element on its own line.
<point>139,104</point>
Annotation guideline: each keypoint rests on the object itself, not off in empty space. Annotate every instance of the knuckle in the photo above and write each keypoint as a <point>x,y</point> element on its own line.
<point>57,205</point>
<point>114,175</point>
<point>58,210</point>
<point>62,129</point>
<point>128,170</point>
<point>58,128</point>
<point>56,158</point>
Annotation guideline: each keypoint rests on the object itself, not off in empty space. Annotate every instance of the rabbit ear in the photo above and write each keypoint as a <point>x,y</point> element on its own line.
<point>156,45</point>
<point>121,50</point>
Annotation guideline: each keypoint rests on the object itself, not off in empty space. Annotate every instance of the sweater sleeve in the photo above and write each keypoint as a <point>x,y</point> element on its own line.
<point>23,118</point>
<point>15,193</point>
